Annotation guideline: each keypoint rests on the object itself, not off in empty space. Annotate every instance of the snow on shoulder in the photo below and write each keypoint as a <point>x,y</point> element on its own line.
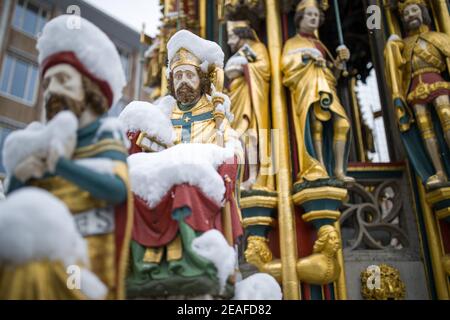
<point>154,174</point>
<point>36,226</point>
<point>260,286</point>
<point>212,246</point>
<point>152,119</point>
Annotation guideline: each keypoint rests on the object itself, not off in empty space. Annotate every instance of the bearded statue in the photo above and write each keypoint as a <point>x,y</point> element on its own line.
<point>81,80</point>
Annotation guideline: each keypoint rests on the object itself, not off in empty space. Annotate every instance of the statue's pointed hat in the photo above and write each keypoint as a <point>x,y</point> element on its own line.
<point>186,48</point>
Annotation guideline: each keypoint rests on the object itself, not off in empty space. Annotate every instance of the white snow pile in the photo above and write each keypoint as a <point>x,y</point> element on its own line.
<point>260,286</point>
<point>212,246</point>
<point>99,165</point>
<point>60,133</point>
<point>115,127</point>
<point>207,51</point>
<point>34,225</point>
<point>92,47</point>
<point>151,119</point>
<point>154,174</point>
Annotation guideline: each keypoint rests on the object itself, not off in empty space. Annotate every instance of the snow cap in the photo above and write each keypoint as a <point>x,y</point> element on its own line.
<point>187,48</point>
<point>86,48</point>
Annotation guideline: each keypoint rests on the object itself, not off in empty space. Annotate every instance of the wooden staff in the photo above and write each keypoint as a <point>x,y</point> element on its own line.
<point>219,116</point>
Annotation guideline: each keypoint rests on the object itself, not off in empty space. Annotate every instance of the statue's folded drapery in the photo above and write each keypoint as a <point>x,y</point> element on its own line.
<point>154,227</point>
<point>310,85</point>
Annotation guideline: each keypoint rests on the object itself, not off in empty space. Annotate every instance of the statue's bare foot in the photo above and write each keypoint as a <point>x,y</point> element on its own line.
<point>436,180</point>
<point>346,179</point>
<point>247,185</point>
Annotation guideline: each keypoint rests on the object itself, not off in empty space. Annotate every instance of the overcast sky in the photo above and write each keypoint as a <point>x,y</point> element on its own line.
<point>132,12</point>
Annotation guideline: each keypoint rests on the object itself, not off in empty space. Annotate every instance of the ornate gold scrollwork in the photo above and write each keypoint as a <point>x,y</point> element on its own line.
<point>391,287</point>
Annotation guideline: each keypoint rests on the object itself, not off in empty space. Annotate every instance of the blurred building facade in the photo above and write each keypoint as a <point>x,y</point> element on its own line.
<point>21,21</point>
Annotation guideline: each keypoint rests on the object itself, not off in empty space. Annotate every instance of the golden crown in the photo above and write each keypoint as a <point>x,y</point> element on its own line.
<point>184,57</point>
<point>312,3</point>
<point>231,25</point>
<point>403,4</point>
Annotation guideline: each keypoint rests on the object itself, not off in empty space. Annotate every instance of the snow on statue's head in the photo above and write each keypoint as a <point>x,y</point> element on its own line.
<point>80,69</point>
<point>260,286</point>
<point>191,61</point>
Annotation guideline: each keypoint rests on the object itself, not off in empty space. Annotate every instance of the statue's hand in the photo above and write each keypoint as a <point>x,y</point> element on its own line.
<point>394,37</point>
<point>343,54</point>
<point>320,62</point>
<point>32,167</point>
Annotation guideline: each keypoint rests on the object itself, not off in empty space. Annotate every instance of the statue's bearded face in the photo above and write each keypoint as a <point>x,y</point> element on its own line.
<point>186,83</point>
<point>63,90</point>
<point>233,41</point>
<point>412,15</point>
<point>310,21</point>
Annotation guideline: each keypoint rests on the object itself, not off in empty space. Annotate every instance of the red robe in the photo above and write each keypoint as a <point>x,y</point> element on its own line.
<point>155,227</point>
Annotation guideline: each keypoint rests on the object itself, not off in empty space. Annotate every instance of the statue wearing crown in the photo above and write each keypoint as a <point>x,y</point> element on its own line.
<point>168,233</point>
<point>417,68</point>
<point>321,124</point>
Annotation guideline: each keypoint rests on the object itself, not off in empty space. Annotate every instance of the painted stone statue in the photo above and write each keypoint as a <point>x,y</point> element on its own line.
<point>42,254</point>
<point>82,78</point>
<point>165,260</point>
<point>321,124</point>
<point>417,67</point>
<point>248,72</point>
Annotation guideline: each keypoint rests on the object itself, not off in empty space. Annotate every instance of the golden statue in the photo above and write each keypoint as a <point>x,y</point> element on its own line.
<point>391,287</point>
<point>154,70</point>
<point>248,71</point>
<point>415,66</point>
<point>321,267</point>
<point>321,124</point>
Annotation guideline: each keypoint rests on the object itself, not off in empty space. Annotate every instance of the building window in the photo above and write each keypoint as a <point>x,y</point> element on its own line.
<point>29,17</point>
<point>125,60</point>
<point>369,100</point>
<point>4,132</point>
<point>19,79</point>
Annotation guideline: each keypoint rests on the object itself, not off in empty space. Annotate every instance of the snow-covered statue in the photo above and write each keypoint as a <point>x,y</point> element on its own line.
<point>42,255</point>
<point>80,155</point>
<point>183,173</point>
